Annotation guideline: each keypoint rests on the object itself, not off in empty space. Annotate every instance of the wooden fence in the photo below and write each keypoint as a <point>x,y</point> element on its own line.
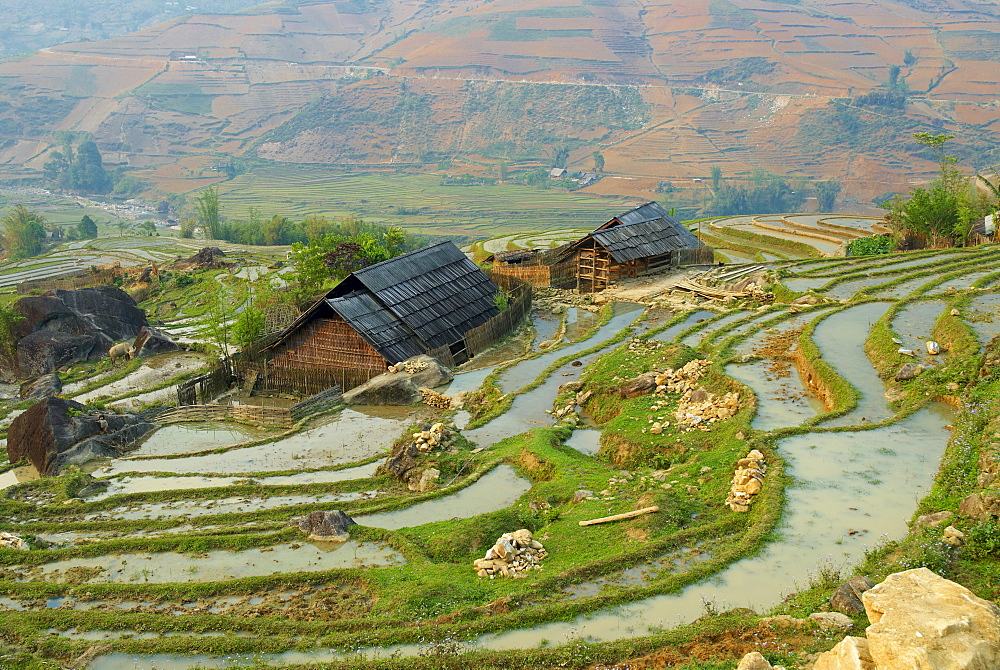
<point>82,279</point>
<point>276,416</point>
<point>538,275</point>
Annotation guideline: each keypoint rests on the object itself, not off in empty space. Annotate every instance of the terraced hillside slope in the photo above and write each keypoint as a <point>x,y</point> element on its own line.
<point>180,554</point>
<point>808,88</point>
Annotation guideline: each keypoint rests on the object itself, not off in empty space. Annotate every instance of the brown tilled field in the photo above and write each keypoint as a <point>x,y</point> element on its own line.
<point>661,90</point>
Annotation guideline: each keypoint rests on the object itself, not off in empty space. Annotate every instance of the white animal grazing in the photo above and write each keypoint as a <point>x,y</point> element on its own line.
<point>120,351</point>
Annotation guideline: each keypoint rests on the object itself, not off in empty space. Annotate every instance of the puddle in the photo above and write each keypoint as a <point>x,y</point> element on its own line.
<point>173,567</point>
<point>913,325</point>
<point>527,371</point>
<point>782,398</point>
<point>585,440</point>
<point>352,434</point>
<point>497,489</point>
<point>903,289</point>
<point>961,283</point>
<point>24,473</point>
<point>528,409</point>
<point>841,341</point>
<point>670,333</point>
<point>147,484</point>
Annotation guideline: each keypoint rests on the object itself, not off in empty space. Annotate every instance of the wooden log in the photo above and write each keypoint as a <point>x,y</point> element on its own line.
<point>619,517</point>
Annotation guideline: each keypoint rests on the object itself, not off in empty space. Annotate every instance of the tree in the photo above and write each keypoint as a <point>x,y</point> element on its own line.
<point>249,326</point>
<point>716,176</point>
<point>9,318</point>
<point>598,162</point>
<point>187,227</point>
<point>149,227</point>
<point>24,233</point>
<point>210,213</point>
<point>826,194</point>
<point>394,240</point>
<point>86,229</point>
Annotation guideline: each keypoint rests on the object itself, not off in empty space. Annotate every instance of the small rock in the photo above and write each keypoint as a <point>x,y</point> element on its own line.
<point>954,312</point>
<point>832,620</point>
<point>933,347</point>
<point>933,520</point>
<point>753,661</point>
<point>908,371</point>
<point>782,621</point>
<point>846,598</point>
<point>953,537</point>
<point>851,653</point>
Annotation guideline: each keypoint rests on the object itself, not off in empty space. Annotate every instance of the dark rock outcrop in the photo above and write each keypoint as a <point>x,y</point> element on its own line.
<point>153,341</point>
<point>334,525</point>
<point>57,432</point>
<point>403,460</point>
<point>205,259</point>
<point>908,371</point>
<point>43,387</point>
<point>63,327</point>
<point>644,384</point>
<point>847,597</point>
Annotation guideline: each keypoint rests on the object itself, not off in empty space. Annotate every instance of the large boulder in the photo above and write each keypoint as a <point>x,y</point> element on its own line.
<point>851,653</point>
<point>56,432</point>
<point>924,621</point>
<point>153,341</point>
<point>402,384</point>
<point>43,387</point>
<point>63,327</point>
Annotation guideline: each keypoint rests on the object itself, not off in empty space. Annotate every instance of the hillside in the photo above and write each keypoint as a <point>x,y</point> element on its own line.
<point>806,88</point>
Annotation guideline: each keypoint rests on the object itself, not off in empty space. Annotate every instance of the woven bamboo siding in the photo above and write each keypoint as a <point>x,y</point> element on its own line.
<point>483,337</point>
<point>329,343</point>
<point>539,275</point>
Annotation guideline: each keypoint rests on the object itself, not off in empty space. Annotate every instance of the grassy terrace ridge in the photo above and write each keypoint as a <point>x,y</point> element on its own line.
<point>435,600</point>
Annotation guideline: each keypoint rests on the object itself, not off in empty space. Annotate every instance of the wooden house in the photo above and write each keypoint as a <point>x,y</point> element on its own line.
<point>421,302</point>
<point>644,240</point>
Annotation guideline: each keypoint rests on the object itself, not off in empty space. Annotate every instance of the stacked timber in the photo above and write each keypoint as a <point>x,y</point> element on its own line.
<point>435,399</point>
<point>748,480</point>
<point>513,554</point>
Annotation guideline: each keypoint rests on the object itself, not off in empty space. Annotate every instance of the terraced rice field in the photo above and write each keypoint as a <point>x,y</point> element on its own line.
<point>418,203</point>
<point>187,558</point>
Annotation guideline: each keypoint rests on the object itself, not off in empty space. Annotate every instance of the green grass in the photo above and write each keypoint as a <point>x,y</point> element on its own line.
<point>461,211</point>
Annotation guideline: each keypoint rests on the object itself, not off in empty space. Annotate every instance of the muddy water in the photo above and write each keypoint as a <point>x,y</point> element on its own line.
<point>186,438</point>
<point>350,435</point>
<point>578,322</point>
<point>782,398</point>
<point>750,344</point>
<point>197,508</point>
<point>528,409</point>
<point>694,339</point>
<point>866,481</point>
<point>671,333</point>
<point>903,289</point>
<point>25,473</point>
<point>913,325</point>
<point>961,283</point>
<point>804,283</point>
<point>526,372</point>
<point>983,316</point>
<point>841,341</point>
<point>497,489</point>
<point>585,440</point>
<point>153,371</point>
<point>148,484</point>
<point>546,326</point>
<point>172,567</point>
<point>466,382</point>
<point>881,473</point>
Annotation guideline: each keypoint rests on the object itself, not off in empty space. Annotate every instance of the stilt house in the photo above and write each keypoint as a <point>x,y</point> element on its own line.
<point>644,240</point>
<point>421,302</point>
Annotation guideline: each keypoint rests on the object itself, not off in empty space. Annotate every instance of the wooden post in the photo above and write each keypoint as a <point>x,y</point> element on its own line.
<point>618,517</point>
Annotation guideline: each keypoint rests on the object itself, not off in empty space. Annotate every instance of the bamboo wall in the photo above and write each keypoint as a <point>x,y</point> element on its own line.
<point>329,343</point>
<point>538,275</point>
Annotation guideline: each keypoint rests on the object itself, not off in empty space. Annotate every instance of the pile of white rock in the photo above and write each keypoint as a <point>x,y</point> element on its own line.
<point>683,378</point>
<point>409,367</point>
<point>513,554</point>
<point>427,440</point>
<point>434,399</point>
<point>699,407</point>
<point>13,542</point>
<point>747,481</point>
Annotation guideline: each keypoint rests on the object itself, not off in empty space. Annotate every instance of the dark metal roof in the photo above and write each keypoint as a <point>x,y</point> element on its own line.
<point>377,326</point>
<point>437,292</point>
<point>642,232</point>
